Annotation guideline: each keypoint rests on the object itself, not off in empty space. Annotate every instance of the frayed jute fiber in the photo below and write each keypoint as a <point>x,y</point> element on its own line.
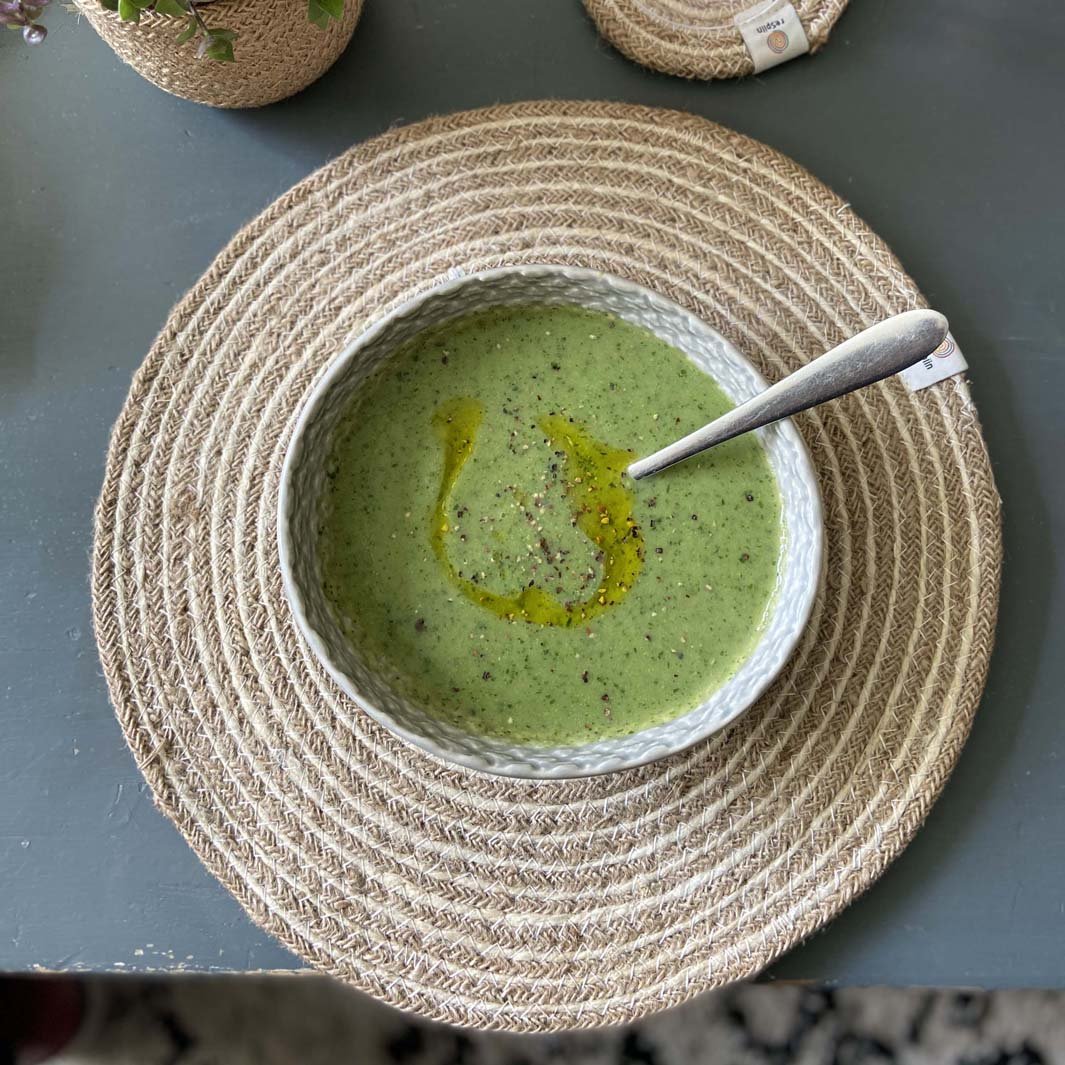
<point>696,38</point>
<point>499,903</point>
<point>279,51</point>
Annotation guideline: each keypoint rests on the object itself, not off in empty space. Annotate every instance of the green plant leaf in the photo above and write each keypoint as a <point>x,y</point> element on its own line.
<point>170,8</point>
<point>317,14</point>
<point>335,8</point>
<point>111,5</point>
<point>220,51</point>
<point>222,35</point>
<point>188,32</point>
<point>128,11</point>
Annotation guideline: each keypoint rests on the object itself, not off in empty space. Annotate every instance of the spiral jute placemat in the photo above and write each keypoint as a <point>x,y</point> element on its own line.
<point>279,51</point>
<point>499,903</point>
<point>694,39</point>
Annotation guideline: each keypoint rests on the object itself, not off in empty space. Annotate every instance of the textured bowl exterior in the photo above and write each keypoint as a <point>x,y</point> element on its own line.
<point>303,482</point>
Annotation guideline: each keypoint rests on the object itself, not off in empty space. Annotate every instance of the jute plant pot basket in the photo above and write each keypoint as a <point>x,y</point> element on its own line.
<point>279,50</point>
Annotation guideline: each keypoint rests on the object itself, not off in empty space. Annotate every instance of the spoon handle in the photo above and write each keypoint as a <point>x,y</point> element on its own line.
<point>869,356</point>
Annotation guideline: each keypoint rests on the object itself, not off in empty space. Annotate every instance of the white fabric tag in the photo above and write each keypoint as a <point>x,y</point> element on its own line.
<point>772,32</point>
<point>946,361</point>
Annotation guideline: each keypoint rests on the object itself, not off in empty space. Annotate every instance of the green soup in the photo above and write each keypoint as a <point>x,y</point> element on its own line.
<point>482,547</point>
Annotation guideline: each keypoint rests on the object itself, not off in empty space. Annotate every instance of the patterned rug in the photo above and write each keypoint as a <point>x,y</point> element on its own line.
<point>311,1020</point>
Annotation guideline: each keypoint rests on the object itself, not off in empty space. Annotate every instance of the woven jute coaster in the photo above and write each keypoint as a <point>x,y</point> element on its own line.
<point>499,903</point>
<point>698,38</point>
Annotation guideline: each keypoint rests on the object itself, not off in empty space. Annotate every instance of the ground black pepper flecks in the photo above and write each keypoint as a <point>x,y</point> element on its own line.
<point>678,630</point>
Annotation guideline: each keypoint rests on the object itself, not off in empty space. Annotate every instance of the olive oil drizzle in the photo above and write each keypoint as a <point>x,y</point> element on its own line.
<point>602,505</point>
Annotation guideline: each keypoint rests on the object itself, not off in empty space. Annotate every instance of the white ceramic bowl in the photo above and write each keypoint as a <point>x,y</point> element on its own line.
<point>303,482</point>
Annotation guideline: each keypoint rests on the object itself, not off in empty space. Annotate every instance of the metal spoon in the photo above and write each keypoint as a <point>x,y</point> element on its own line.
<point>869,356</point>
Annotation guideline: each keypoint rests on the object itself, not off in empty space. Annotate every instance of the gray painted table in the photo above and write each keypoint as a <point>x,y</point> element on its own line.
<point>940,122</point>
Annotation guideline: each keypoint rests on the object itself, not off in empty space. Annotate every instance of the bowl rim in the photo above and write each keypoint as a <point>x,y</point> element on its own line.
<point>802,606</point>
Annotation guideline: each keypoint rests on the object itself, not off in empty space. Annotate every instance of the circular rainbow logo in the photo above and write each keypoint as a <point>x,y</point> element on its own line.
<point>945,350</point>
<point>777,41</point>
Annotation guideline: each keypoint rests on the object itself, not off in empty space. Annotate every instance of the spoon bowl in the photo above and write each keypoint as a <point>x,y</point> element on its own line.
<point>881,350</point>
